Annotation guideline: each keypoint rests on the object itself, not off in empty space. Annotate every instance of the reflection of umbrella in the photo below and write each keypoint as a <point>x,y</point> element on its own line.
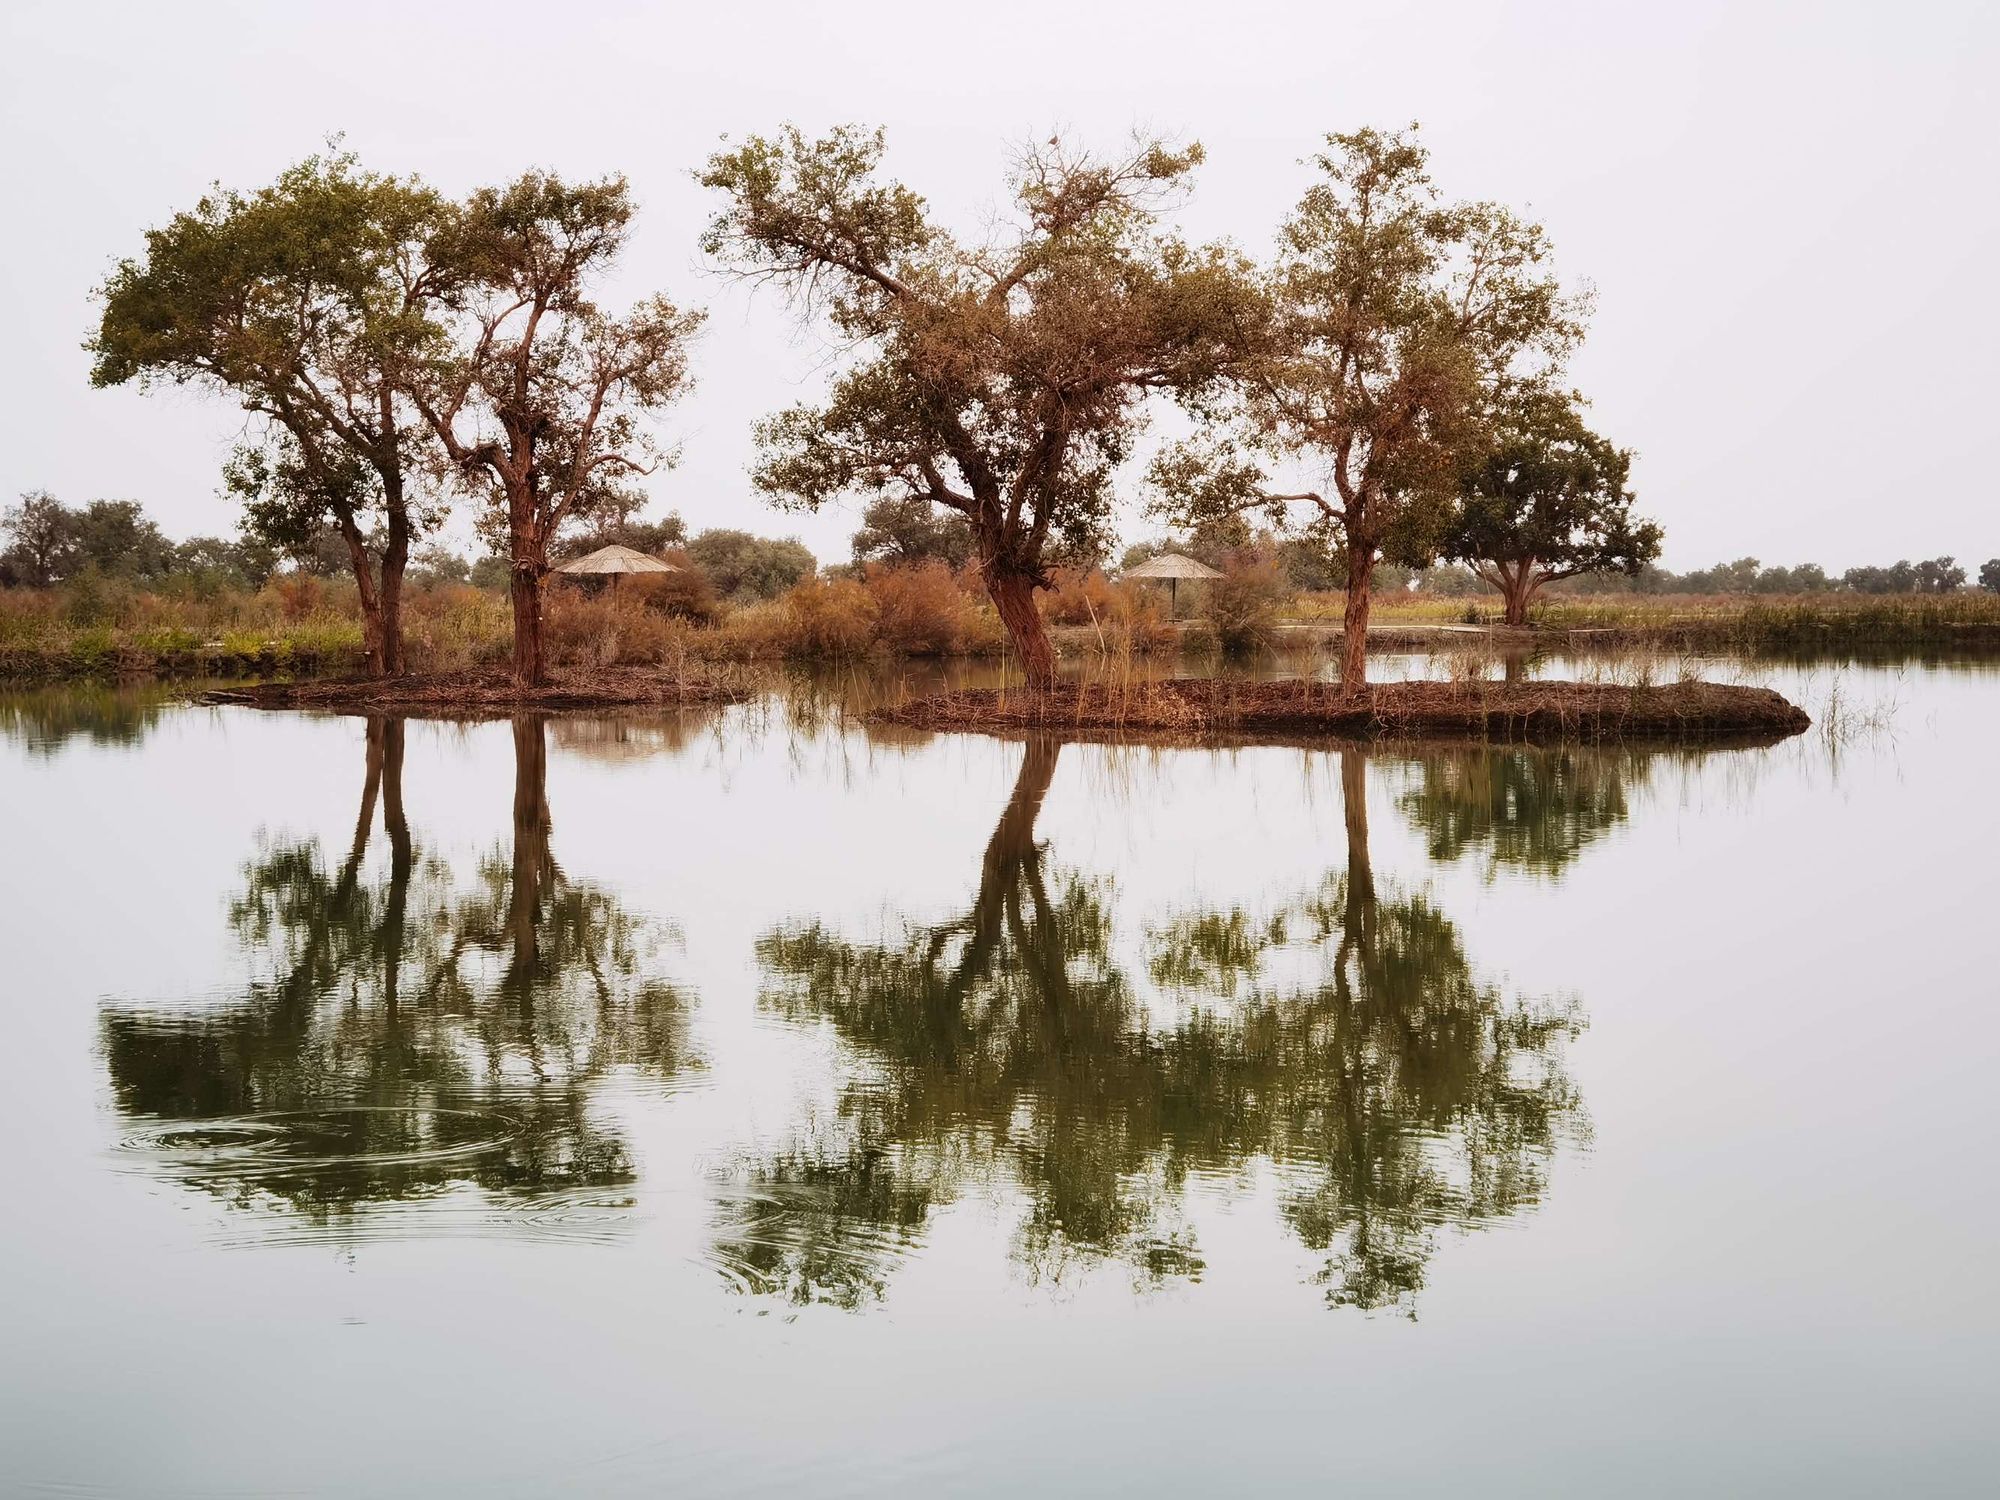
<point>1173,567</point>
<point>615,559</point>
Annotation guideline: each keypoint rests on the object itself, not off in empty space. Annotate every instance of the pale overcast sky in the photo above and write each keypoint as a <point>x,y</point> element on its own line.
<point>1788,210</point>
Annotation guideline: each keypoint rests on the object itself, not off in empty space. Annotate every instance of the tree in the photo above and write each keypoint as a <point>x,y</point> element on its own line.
<point>1936,575</point>
<point>1940,575</point>
<point>41,533</point>
<point>909,529</point>
<point>1398,322</point>
<point>1001,381</point>
<point>542,397</point>
<point>1989,575</point>
<point>119,540</point>
<point>303,300</point>
<point>748,568</point>
<point>1545,499</point>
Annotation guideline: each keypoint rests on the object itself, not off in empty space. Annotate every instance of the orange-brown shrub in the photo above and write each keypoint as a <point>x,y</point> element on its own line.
<point>1138,621</point>
<point>1080,596</point>
<point>827,618</point>
<point>686,595</point>
<point>920,610</point>
<point>297,594</point>
<point>609,630</point>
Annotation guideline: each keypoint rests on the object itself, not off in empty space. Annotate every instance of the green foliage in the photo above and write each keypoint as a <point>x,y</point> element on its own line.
<point>50,543</point>
<point>745,568</point>
<point>1937,575</point>
<point>1989,575</point>
<point>538,395</point>
<point>308,301</point>
<point>1545,498</point>
<point>910,529</point>
<point>41,535</point>
<point>1003,383</point>
<point>1397,321</point>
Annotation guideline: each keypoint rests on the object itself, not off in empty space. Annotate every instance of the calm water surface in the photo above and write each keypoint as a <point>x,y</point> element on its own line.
<point>749,1102</point>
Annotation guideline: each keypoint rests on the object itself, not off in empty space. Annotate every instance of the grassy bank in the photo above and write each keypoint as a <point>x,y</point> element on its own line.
<point>312,627</point>
<point>1741,622</point>
<point>309,627</point>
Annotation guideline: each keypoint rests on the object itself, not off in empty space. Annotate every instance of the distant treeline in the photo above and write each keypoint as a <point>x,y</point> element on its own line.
<point>49,543</point>
<point>1311,570</point>
<point>1933,575</point>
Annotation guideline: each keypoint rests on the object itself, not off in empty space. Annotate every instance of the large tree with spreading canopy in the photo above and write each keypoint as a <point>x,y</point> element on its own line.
<point>1399,320</point>
<point>541,399</point>
<point>1004,380</point>
<point>1545,498</point>
<point>302,300</point>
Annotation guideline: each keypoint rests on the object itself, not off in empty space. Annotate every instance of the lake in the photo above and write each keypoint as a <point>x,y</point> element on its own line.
<point>750,1102</point>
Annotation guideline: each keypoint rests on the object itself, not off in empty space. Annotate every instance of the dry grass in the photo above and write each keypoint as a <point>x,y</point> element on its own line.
<point>312,626</point>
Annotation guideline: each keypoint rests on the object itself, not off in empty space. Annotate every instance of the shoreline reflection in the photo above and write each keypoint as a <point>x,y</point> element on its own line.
<point>1392,1091</point>
<point>410,1035</point>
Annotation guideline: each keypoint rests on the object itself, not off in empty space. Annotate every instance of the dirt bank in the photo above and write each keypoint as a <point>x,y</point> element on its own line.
<point>1537,711</point>
<point>490,692</point>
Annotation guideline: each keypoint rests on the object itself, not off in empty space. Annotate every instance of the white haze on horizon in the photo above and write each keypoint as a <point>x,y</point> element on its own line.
<point>1787,211</point>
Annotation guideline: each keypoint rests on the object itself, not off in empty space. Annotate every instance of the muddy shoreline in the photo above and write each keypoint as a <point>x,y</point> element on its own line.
<point>1537,712</point>
<point>462,694</point>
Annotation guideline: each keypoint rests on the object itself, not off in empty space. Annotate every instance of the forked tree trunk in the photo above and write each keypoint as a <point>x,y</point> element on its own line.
<point>1354,622</point>
<point>1518,582</point>
<point>1520,588</point>
<point>525,589</point>
<point>381,593</point>
<point>373,638</point>
<point>1013,594</point>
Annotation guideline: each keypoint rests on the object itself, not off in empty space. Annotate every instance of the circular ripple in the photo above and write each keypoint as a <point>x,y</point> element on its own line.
<point>346,1136</point>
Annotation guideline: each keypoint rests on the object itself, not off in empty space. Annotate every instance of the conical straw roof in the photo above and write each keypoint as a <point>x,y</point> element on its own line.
<point>616,559</point>
<point>1171,565</point>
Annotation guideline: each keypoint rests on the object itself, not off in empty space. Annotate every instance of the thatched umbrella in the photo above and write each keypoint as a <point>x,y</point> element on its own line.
<point>616,561</point>
<point>1173,567</point>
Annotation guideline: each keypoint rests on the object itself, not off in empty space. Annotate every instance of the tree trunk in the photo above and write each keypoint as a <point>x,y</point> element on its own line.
<point>1354,623</point>
<point>372,638</point>
<point>395,557</point>
<point>533,861</point>
<point>1520,588</point>
<point>525,588</point>
<point>402,859</point>
<point>1013,594</point>
<point>1360,914</point>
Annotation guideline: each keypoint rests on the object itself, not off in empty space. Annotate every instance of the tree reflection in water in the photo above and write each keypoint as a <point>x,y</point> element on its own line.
<point>406,1034</point>
<point>1393,1092</point>
<point>1531,809</point>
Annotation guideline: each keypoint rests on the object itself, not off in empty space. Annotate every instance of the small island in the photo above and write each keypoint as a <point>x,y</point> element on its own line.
<point>1679,712</point>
